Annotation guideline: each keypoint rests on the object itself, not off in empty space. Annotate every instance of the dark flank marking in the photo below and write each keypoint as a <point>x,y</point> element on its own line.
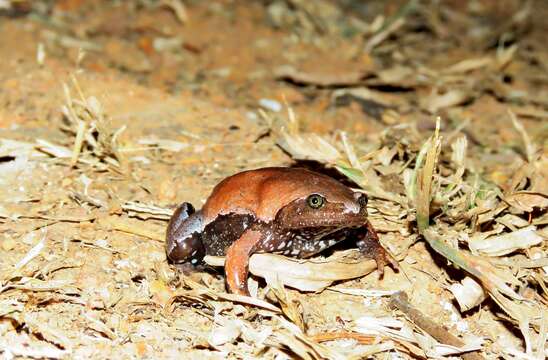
<point>223,231</point>
<point>302,243</point>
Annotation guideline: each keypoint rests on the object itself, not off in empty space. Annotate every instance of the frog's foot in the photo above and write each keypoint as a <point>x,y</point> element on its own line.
<point>370,246</point>
<point>237,261</point>
<point>383,258</point>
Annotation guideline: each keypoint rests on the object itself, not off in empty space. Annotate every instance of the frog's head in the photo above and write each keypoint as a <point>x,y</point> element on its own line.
<point>319,201</point>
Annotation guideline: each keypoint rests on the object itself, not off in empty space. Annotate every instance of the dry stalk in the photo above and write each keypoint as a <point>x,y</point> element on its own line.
<point>95,143</point>
<point>400,301</point>
<point>523,312</point>
<point>530,148</point>
<point>463,201</point>
<point>201,294</point>
<point>425,178</point>
<point>290,307</point>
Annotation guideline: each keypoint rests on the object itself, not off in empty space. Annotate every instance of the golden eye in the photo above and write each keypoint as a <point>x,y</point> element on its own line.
<point>315,201</point>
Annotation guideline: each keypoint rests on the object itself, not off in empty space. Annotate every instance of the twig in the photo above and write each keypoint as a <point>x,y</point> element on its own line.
<point>400,301</point>
<point>530,148</point>
<point>391,25</point>
<point>330,336</point>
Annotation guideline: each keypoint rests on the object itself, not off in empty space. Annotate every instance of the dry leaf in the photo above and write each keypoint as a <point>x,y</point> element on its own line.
<point>506,243</point>
<point>309,147</point>
<point>305,275</point>
<point>468,293</point>
<point>288,72</point>
<point>436,102</point>
<point>224,331</point>
<point>467,65</point>
<point>164,144</point>
<point>527,200</point>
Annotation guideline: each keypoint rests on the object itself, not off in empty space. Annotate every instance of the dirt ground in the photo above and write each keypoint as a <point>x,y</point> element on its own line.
<point>114,112</point>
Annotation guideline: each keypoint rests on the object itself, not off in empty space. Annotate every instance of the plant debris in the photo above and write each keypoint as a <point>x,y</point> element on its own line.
<point>113,113</point>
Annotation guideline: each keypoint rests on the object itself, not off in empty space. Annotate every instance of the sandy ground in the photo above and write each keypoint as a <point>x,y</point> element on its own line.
<point>185,95</point>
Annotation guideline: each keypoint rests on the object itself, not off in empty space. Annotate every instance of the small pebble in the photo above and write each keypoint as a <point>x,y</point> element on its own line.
<point>251,116</point>
<point>270,104</point>
<point>8,243</point>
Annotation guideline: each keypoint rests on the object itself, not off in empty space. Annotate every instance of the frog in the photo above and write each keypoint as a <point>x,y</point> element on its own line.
<point>290,211</point>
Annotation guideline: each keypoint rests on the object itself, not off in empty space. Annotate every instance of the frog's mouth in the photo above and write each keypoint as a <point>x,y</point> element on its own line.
<point>331,221</point>
<point>319,234</point>
<point>334,222</point>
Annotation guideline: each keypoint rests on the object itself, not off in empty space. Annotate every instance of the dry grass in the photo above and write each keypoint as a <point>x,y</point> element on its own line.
<point>83,213</point>
<point>451,233</point>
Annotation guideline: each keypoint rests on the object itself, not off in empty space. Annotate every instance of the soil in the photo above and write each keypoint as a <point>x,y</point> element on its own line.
<point>193,91</point>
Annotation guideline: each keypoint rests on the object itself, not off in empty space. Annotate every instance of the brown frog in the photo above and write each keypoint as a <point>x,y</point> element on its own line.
<point>287,211</point>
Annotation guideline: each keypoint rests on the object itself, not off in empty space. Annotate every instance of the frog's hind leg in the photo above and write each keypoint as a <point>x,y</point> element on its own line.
<point>184,244</point>
<point>370,246</point>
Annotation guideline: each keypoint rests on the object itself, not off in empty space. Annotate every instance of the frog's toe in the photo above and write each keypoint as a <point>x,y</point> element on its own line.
<point>383,258</point>
<point>393,262</point>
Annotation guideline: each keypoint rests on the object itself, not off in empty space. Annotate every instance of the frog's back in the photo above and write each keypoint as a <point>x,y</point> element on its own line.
<point>262,192</point>
<point>239,193</point>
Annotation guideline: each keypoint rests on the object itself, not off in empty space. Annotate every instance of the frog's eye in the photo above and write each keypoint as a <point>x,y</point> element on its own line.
<point>315,201</point>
